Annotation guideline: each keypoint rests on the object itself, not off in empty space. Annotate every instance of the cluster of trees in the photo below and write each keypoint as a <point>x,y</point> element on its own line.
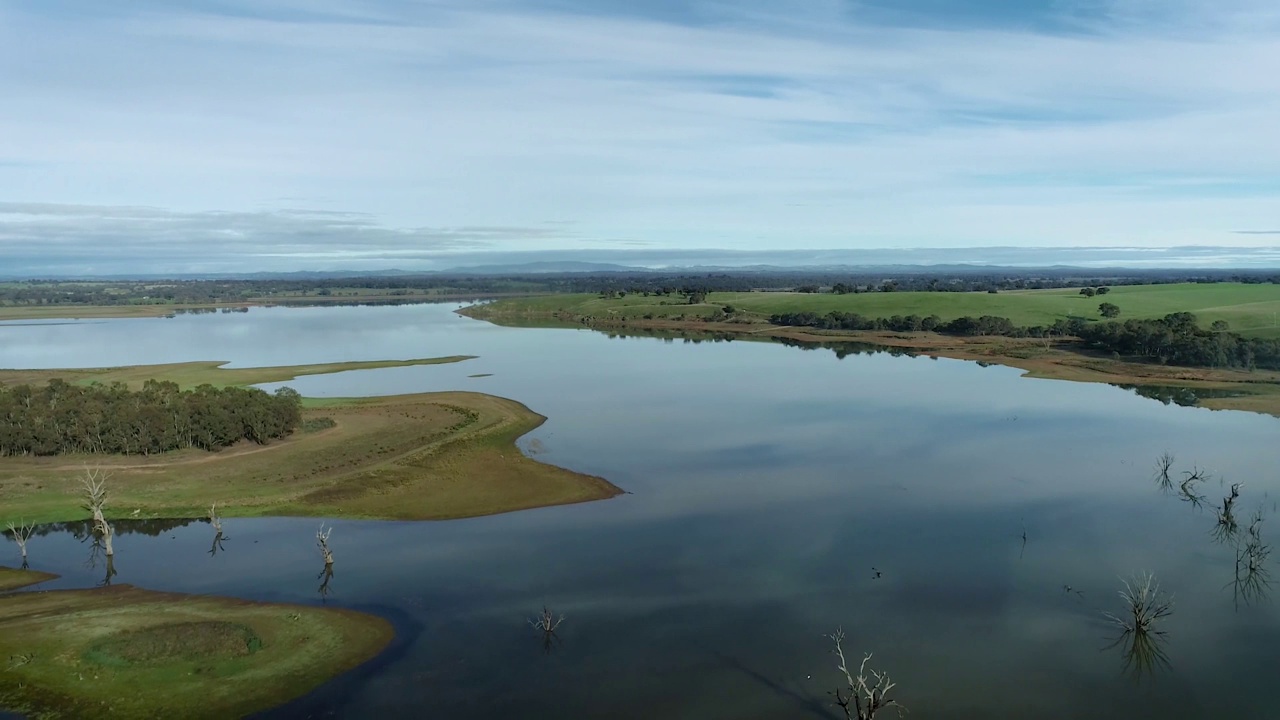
<point>112,419</point>
<point>1175,339</point>
<point>835,320</point>
<point>661,282</point>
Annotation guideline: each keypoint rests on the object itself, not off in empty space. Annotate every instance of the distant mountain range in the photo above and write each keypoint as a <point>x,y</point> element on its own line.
<point>1021,260</point>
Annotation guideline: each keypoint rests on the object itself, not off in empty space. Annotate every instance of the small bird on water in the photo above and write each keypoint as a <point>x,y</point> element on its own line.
<point>877,574</point>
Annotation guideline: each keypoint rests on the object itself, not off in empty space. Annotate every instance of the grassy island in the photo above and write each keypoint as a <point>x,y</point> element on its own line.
<point>431,456</point>
<point>124,652</point>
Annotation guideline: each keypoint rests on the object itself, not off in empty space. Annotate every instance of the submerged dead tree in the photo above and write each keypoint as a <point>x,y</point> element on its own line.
<point>216,522</point>
<point>94,489</point>
<point>1145,606</point>
<point>322,542</point>
<point>1227,526</point>
<point>866,693</point>
<point>1164,464</point>
<point>21,533</point>
<point>547,622</point>
<point>326,575</point>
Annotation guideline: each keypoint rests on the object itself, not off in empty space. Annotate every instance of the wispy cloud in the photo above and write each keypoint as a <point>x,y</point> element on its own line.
<point>678,123</point>
<point>88,239</point>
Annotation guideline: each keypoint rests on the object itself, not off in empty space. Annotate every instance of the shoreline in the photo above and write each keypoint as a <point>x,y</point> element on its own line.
<point>425,456</point>
<point>1255,391</point>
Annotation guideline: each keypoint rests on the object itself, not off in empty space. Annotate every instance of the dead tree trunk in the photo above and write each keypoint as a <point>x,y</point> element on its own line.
<point>21,533</point>
<point>94,488</point>
<point>322,542</point>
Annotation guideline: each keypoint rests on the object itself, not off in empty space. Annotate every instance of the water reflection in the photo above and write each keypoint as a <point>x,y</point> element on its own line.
<point>325,577</point>
<point>1146,608</point>
<point>766,482</point>
<point>1177,394</point>
<point>1252,581</point>
<point>547,623</point>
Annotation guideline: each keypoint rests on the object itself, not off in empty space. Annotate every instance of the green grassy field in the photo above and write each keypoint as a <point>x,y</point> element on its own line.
<point>123,652</point>
<point>1251,310</point>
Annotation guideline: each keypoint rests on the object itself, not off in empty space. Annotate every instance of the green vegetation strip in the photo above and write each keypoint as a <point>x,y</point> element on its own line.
<point>124,652</point>
<point>193,374</point>
<point>1250,309</point>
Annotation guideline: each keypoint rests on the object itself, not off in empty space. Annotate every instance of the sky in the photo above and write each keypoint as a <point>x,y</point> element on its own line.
<point>238,135</point>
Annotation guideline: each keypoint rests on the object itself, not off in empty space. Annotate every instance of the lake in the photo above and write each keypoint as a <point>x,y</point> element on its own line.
<point>999,513</point>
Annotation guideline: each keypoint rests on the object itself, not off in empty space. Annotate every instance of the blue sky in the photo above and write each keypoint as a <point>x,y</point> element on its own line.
<point>283,134</point>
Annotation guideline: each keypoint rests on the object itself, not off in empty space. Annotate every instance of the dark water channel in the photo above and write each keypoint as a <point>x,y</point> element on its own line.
<point>767,482</point>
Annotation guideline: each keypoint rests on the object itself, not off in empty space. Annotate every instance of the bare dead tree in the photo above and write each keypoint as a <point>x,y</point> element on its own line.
<point>1187,488</point>
<point>547,622</point>
<point>214,520</point>
<point>1227,526</point>
<point>866,693</point>
<point>94,488</point>
<point>1164,464</point>
<point>1145,605</point>
<point>21,533</point>
<point>322,542</point>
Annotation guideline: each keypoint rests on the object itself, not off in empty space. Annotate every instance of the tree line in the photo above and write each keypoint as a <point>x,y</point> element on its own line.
<point>426,286</point>
<point>1175,339</point>
<point>63,418</point>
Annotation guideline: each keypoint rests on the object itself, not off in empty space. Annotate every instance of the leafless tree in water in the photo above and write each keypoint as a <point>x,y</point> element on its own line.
<point>216,522</point>
<point>94,490</point>
<point>1146,605</point>
<point>322,542</point>
<point>1227,526</point>
<point>1164,464</point>
<point>1187,489</point>
<point>866,693</point>
<point>547,622</point>
<point>21,533</point>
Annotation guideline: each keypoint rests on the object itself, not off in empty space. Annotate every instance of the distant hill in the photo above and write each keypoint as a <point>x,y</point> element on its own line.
<point>545,267</point>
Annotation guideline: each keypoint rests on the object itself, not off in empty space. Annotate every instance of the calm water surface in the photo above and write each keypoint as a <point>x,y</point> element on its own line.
<point>766,484</point>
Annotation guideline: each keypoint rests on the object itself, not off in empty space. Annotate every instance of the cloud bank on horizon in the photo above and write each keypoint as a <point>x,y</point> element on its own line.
<point>282,134</point>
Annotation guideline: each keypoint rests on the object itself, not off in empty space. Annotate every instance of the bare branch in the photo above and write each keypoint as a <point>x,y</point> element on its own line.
<point>867,692</point>
<point>322,542</point>
<point>1164,464</point>
<point>21,533</point>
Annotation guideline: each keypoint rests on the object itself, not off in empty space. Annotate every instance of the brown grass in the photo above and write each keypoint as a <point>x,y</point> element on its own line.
<point>12,579</point>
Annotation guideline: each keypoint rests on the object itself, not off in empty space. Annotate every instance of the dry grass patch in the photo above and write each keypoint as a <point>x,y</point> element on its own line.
<point>11,579</point>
